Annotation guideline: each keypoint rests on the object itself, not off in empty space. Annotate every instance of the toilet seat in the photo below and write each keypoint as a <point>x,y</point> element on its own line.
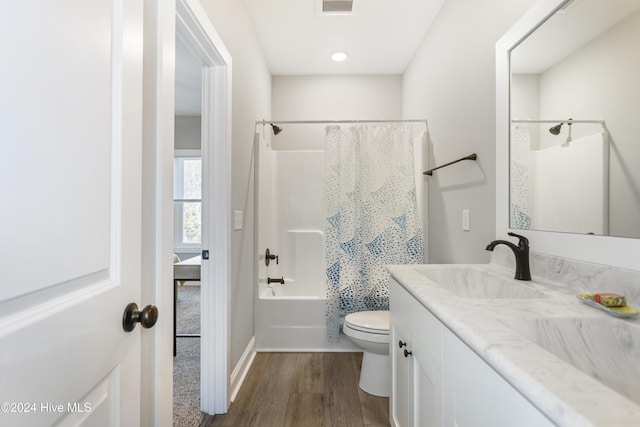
<point>370,322</point>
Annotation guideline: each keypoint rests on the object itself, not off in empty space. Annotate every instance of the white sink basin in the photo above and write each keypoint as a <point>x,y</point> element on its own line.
<point>469,282</point>
<point>606,350</point>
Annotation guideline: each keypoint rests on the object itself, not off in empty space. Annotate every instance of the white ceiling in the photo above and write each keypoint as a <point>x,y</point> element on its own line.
<point>567,31</point>
<point>381,36</point>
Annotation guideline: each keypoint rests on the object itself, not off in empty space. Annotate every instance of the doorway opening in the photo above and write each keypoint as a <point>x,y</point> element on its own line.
<point>202,116</point>
<point>187,237</point>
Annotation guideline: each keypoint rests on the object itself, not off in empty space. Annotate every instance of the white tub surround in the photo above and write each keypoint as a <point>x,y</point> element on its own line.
<point>582,343</point>
<point>290,316</point>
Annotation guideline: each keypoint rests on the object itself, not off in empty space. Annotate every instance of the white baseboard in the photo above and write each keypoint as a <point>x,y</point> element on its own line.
<point>240,371</point>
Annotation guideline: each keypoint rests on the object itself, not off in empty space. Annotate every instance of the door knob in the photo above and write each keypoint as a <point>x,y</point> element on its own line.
<point>147,317</point>
<point>407,353</point>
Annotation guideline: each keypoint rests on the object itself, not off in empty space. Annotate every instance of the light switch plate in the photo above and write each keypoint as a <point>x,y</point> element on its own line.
<point>237,220</point>
<point>465,220</point>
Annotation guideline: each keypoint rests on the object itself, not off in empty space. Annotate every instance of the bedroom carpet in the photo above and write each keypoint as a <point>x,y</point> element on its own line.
<point>186,364</point>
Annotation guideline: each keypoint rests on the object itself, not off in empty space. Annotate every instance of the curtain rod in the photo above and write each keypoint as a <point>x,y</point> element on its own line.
<point>284,122</point>
<point>557,121</point>
<point>569,121</point>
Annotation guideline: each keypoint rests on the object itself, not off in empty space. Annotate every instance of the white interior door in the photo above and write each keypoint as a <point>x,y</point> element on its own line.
<point>70,132</point>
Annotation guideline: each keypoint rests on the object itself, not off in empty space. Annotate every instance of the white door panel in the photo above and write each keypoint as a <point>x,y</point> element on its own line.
<point>58,70</point>
<point>70,232</point>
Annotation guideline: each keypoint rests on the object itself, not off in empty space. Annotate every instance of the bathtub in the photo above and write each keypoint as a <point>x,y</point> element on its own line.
<point>289,322</point>
<point>291,316</point>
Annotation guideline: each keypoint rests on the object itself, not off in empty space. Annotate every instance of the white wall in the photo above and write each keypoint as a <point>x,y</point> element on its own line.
<point>330,98</point>
<point>251,101</point>
<point>337,97</point>
<point>525,96</point>
<point>451,82</point>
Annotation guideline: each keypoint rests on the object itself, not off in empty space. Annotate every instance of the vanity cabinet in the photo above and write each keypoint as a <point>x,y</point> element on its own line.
<point>441,381</point>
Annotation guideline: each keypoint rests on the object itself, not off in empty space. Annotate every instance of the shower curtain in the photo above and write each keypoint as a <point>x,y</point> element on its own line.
<point>520,158</point>
<point>372,220</point>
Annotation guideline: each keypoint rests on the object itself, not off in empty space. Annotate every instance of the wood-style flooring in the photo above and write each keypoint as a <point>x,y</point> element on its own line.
<point>304,390</point>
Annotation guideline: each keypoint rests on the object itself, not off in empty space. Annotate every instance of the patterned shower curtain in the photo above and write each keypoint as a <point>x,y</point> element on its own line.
<point>372,220</point>
<point>519,178</point>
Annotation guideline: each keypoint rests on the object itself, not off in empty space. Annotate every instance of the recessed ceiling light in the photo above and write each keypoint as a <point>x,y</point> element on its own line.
<point>338,56</point>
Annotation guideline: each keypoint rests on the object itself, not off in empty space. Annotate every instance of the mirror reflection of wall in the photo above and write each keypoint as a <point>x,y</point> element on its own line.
<point>583,64</point>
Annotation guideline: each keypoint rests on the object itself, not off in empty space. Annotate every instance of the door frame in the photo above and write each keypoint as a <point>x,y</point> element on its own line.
<point>164,20</point>
<point>194,28</point>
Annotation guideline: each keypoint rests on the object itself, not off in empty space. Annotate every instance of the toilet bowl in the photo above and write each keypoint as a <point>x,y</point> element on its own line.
<point>369,330</point>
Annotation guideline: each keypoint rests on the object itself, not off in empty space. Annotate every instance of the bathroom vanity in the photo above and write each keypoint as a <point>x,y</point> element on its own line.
<point>471,346</point>
<point>439,380</point>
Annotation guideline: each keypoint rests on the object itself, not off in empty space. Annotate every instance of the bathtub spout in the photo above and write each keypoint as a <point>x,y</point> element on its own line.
<point>280,280</point>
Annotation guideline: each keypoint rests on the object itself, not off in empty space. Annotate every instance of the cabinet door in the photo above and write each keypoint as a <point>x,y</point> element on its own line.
<point>428,395</point>
<point>417,387</point>
<point>402,385</point>
<point>477,396</point>
<point>416,396</point>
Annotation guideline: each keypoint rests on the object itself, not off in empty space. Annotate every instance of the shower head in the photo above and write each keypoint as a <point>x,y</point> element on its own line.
<point>276,129</point>
<point>555,130</point>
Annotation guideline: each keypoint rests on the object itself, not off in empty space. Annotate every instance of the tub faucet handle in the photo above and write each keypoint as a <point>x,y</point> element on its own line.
<point>268,257</point>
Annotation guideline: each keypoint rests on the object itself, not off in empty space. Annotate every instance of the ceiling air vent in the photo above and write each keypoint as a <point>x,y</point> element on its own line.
<point>337,6</point>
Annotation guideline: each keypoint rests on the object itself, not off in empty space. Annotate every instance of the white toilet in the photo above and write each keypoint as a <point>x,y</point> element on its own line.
<point>369,330</point>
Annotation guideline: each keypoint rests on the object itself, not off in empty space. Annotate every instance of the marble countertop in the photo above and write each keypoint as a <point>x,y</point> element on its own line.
<point>501,331</point>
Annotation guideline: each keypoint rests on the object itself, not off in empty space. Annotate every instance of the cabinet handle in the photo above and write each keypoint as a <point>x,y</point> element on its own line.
<point>407,353</point>
<point>402,344</point>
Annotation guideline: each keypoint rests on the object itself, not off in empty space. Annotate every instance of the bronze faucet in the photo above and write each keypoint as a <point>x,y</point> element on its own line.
<point>521,251</point>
